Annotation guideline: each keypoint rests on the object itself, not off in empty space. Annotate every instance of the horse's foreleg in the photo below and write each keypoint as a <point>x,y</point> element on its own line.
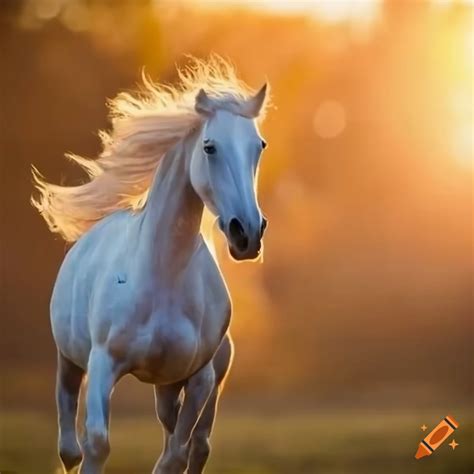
<point>102,374</point>
<point>167,406</point>
<point>197,391</point>
<point>200,445</point>
<point>68,383</point>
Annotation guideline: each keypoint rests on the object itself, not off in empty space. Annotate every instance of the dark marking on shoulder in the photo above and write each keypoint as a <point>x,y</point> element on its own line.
<point>121,278</point>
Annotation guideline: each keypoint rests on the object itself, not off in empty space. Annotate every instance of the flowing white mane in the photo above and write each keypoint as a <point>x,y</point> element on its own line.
<point>144,127</point>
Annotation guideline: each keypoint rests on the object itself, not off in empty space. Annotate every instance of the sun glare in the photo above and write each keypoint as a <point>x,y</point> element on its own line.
<point>336,11</point>
<point>448,3</point>
<point>331,11</point>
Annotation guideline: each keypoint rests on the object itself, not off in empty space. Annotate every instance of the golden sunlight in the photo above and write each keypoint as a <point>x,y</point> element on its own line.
<point>358,10</point>
<point>325,10</point>
<point>448,3</point>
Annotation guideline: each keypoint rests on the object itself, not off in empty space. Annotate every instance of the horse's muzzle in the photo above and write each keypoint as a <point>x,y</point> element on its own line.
<point>245,241</point>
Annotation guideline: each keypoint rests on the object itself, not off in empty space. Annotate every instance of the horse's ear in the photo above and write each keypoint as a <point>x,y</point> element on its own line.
<point>203,104</point>
<point>254,105</point>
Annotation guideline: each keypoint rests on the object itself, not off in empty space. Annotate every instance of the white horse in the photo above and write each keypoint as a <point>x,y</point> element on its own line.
<point>140,293</point>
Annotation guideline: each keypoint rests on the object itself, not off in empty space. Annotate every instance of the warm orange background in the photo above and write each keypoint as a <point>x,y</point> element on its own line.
<point>364,298</point>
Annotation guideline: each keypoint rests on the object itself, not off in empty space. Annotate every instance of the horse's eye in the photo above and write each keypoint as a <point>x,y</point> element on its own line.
<point>264,144</point>
<point>210,149</point>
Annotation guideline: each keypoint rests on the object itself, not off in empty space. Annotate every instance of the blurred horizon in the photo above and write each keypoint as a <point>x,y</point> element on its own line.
<point>364,300</point>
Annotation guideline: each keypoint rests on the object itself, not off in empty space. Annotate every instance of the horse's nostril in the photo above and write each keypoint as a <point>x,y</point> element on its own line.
<point>237,234</point>
<point>263,226</point>
<point>235,227</point>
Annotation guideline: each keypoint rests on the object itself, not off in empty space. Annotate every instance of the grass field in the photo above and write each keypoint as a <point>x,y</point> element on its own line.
<point>304,443</point>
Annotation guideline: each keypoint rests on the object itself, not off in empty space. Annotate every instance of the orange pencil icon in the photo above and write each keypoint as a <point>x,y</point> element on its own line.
<point>442,431</point>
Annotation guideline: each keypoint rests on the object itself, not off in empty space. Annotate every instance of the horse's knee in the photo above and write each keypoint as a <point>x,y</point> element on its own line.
<point>70,456</point>
<point>174,460</point>
<point>200,451</point>
<point>97,443</point>
<point>201,447</point>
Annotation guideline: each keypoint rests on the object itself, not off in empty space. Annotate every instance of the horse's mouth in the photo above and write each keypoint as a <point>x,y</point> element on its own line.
<point>248,254</point>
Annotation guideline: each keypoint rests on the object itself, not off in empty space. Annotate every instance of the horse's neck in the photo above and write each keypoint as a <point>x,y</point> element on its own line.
<point>172,216</point>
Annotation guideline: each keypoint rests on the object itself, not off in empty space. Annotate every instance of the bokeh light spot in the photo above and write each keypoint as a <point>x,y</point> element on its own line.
<point>329,119</point>
<point>75,17</point>
<point>47,9</point>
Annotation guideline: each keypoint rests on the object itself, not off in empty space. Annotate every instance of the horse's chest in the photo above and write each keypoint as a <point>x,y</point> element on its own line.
<point>179,329</point>
<point>172,346</point>
<point>161,351</point>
